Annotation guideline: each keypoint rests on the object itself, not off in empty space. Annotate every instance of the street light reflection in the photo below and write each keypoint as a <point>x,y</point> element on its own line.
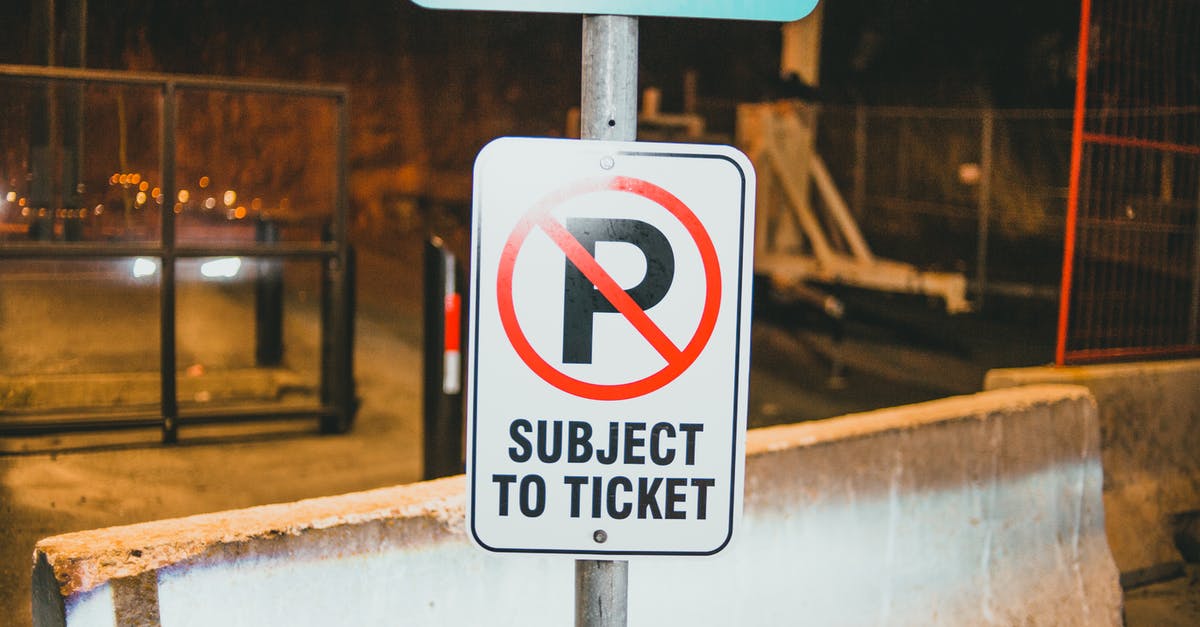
<point>223,268</point>
<point>143,267</point>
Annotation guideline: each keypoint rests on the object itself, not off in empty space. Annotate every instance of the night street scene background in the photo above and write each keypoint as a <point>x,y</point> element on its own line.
<point>946,127</point>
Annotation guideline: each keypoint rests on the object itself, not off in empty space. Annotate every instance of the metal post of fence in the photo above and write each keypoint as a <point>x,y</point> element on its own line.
<point>337,305</point>
<point>166,308</point>
<point>902,149</point>
<point>43,131</point>
<point>70,150</point>
<point>987,125</point>
<point>337,313</point>
<point>1194,320</point>
<point>328,303</point>
<point>608,111</point>
<point>858,208</point>
<point>268,299</point>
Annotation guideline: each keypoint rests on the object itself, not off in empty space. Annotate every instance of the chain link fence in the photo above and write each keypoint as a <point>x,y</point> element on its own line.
<point>978,191</point>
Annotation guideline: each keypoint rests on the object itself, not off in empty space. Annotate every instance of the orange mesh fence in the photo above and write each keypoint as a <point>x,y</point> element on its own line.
<point>1131,264</point>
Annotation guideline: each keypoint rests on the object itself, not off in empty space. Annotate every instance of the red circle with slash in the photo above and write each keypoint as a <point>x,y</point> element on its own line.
<point>678,359</point>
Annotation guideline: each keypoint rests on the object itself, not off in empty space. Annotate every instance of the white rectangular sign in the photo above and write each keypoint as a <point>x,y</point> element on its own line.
<point>609,346</point>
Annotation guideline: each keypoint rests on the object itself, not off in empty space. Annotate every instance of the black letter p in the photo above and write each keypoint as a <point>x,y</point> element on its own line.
<point>582,299</point>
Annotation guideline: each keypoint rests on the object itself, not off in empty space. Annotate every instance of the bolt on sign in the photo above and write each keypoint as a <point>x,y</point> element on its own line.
<point>610,292</point>
<point>772,10</point>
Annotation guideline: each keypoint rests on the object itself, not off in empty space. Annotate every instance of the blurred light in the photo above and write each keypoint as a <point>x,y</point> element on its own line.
<point>969,173</point>
<point>240,212</point>
<point>143,186</point>
<point>210,202</point>
<point>42,212</point>
<point>98,210</point>
<point>11,197</point>
<point>21,202</point>
<point>184,195</point>
<point>141,198</point>
<point>123,179</point>
<point>223,268</point>
<point>158,198</point>
<point>178,208</point>
<point>156,192</point>
<point>256,204</point>
<point>203,182</point>
<point>230,197</point>
<point>114,179</point>
<point>143,267</point>
<point>25,212</point>
<point>135,178</point>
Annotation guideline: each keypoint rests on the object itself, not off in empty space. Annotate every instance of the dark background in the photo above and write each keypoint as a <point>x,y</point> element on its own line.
<point>434,86</point>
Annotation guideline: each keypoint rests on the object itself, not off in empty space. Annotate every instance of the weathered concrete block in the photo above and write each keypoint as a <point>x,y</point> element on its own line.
<point>974,510</point>
<point>1150,446</point>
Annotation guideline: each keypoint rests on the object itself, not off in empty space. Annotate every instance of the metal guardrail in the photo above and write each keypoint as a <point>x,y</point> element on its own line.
<point>336,407</point>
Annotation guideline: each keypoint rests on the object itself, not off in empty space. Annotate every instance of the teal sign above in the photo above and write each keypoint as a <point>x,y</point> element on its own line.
<point>768,10</point>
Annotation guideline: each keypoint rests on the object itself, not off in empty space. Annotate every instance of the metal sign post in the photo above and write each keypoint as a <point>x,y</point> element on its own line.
<point>638,418</point>
<point>608,110</point>
<point>609,341</point>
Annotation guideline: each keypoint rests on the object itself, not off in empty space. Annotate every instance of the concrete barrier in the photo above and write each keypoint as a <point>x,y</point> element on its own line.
<point>1150,446</point>
<point>974,510</point>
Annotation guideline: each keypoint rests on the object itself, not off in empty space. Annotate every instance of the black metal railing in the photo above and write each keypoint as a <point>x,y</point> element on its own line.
<point>335,405</point>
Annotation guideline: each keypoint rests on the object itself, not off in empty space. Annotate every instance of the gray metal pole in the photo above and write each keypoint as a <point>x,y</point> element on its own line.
<point>610,53</point>
<point>608,111</point>
<point>601,593</point>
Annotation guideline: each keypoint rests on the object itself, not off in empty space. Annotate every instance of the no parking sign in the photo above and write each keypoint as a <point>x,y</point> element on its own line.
<point>610,300</point>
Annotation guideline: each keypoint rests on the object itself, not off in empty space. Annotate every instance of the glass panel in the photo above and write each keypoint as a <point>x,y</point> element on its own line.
<point>78,162</point>
<point>78,334</point>
<point>248,157</point>
<point>226,356</point>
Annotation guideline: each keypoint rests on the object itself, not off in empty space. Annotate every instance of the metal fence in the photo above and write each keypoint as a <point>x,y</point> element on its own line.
<point>115,177</point>
<point>1131,272</point>
<point>978,191</point>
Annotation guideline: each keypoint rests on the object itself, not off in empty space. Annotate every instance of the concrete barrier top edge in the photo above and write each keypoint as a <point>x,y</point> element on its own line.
<point>1007,377</point>
<point>867,424</point>
<point>84,560</point>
